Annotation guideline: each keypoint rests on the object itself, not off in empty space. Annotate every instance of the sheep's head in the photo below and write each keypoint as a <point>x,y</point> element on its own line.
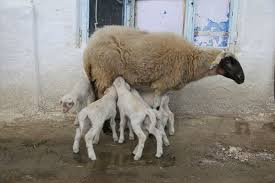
<point>67,103</point>
<point>230,67</point>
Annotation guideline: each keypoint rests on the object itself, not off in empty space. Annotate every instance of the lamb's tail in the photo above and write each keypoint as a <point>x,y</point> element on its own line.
<point>153,119</point>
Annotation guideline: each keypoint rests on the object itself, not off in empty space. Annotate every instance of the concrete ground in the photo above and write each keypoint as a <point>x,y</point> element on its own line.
<point>204,149</point>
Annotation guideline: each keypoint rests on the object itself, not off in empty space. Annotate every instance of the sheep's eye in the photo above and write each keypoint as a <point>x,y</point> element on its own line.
<point>70,103</point>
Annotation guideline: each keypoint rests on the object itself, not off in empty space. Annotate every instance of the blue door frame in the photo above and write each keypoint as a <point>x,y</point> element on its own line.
<point>190,21</point>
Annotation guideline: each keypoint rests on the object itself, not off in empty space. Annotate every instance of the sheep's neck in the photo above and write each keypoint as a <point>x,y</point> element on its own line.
<point>202,63</point>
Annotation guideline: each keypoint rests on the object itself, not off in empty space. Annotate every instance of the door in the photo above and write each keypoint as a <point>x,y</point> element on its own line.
<point>211,23</point>
<point>105,12</point>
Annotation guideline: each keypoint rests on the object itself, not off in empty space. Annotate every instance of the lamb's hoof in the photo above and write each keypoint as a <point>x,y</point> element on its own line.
<point>75,149</point>
<point>171,132</point>
<point>166,143</point>
<point>131,137</point>
<point>92,157</point>
<point>115,139</point>
<point>120,141</point>
<point>158,155</point>
<point>136,157</point>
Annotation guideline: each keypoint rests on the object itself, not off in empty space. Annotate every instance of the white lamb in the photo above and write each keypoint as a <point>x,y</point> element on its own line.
<point>148,97</point>
<point>78,98</point>
<point>134,109</point>
<point>97,112</point>
<point>161,115</point>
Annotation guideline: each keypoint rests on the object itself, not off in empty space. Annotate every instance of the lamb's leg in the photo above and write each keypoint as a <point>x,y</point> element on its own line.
<point>89,141</point>
<point>113,126</point>
<point>164,136</point>
<point>141,139</point>
<point>171,124</point>
<point>122,127</point>
<point>96,138</point>
<point>136,148</point>
<point>77,139</point>
<point>131,133</point>
<point>158,136</point>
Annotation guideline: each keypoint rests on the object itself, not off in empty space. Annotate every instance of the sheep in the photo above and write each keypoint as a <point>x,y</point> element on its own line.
<point>157,61</point>
<point>81,94</point>
<point>97,112</point>
<point>134,109</point>
<point>164,109</point>
<point>161,115</point>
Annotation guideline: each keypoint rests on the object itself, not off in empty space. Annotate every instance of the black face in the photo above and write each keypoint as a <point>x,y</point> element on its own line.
<point>230,67</point>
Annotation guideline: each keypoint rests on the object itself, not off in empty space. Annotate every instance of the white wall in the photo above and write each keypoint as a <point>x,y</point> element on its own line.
<point>61,63</point>
<point>160,15</point>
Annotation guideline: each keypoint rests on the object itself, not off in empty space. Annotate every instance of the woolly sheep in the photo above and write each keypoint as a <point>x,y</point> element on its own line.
<point>157,61</point>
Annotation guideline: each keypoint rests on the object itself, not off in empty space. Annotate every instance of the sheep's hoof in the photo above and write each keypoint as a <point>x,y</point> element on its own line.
<point>92,157</point>
<point>131,137</point>
<point>75,149</point>
<point>115,139</point>
<point>171,132</point>
<point>137,157</point>
<point>120,141</point>
<point>166,142</point>
<point>158,155</point>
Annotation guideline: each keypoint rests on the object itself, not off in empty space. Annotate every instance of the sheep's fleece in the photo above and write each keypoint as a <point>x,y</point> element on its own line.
<point>156,61</point>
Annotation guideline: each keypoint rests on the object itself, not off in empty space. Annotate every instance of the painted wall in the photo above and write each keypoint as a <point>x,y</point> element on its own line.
<point>61,63</point>
<point>160,15</point>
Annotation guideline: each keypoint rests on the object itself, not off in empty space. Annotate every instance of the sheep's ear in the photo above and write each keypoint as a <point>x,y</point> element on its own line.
<point>216,62</point>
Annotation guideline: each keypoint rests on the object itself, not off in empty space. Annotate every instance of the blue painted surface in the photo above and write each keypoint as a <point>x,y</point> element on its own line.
<point>211,23</point>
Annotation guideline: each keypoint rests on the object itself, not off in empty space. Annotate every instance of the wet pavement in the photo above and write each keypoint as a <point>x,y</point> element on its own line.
<point>204,149</point>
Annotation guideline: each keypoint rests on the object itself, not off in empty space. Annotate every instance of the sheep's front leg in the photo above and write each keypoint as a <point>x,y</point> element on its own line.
<point>113,127</point>
<point>122,127</point>
<point>89,141</point>
<point>77,139</point>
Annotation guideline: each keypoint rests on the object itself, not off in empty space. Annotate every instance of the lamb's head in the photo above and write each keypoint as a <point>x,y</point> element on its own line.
<point>111,91</point>
<point>228,66</point>
<point>67,102</point>
<point>120,82</point>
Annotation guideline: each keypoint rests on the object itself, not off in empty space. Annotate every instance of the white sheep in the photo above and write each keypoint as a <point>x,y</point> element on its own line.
<point>97,112</point>
<point>134,109</point>
<point>161,115</point>
<point>81,94</point>
<point>149,97</point>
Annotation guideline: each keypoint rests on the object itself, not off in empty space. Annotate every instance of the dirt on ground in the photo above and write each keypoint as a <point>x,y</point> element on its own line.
<point>204,149</point>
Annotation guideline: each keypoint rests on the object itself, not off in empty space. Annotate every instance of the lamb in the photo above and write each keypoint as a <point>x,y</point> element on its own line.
<point>97,112</point>
<point>81,94</point>
<point>161,115</point>
<point>164,109</point>
<point>159,61</point>
<point>134,109</point>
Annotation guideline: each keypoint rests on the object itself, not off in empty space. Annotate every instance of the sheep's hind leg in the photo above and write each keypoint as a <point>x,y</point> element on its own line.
<point>77,139</point>
<point>113,126</point>
<point>122,127</point>
<point>89,141</point>
<point>158,135</point>
<point>141,139</point>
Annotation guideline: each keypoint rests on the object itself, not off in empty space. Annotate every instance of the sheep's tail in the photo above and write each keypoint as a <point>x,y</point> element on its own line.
<point>87,65</point>
<point>153,119</point>
<point>88,70</point>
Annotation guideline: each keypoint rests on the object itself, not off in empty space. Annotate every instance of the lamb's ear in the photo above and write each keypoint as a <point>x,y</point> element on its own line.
<point>216,62</point>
